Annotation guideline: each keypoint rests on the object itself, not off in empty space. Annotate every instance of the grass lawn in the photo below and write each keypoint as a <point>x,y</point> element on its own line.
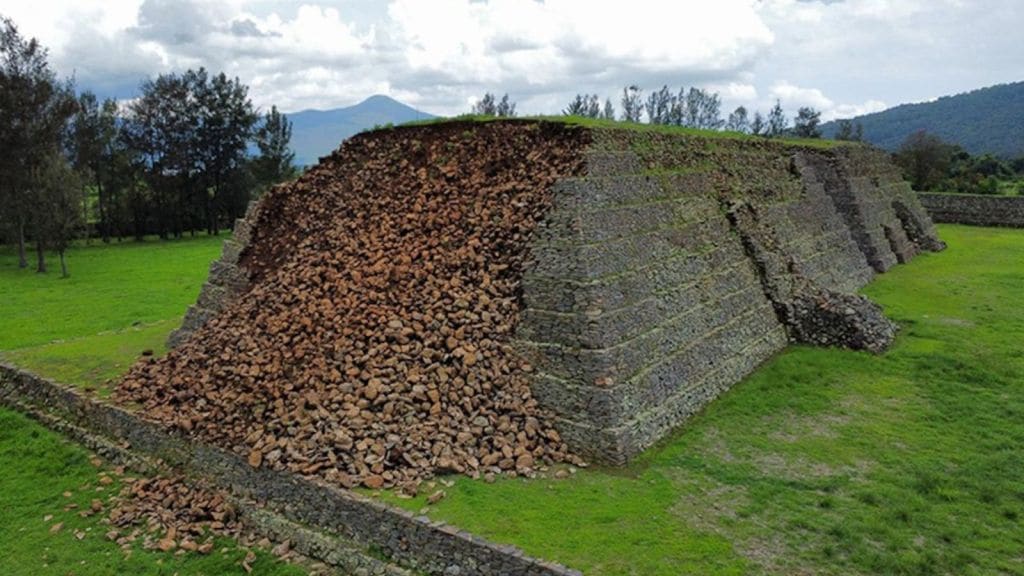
<point>823,461</point>
<point>121,299</point>
<point>39,467</point>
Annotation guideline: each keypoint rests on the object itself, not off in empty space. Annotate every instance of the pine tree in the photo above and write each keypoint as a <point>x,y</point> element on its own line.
<point>490,106</point>
<point>632,103</point>
<point>777,122</point>
<point>609,111</point>
<point>738,121</point>
<point>58,203</point>
<point>806,123</point>
<point>758,125</point>
<point>275,161</point>
<point>34,111</point>
<point>659,106</point>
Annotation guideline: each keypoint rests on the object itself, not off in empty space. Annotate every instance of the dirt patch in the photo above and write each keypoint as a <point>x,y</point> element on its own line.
<point>961,322</point>
<point>799,468</point>
<point>713,443</point>
<point>791,428</point>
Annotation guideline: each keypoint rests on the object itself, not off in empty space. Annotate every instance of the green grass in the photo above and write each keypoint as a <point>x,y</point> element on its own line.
<point>602,124</point>
<point>38,468</point>
<point>94,361</point>
<point>823,461</point>
<point>121,299</point>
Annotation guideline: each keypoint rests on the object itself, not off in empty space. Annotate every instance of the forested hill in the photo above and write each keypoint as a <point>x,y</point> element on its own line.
<point>989,120</point>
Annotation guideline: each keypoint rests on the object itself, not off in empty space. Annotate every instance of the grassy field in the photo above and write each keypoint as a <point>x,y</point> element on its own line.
<point>121,299</point>
<point>39,468</point>
<point>822,462</point>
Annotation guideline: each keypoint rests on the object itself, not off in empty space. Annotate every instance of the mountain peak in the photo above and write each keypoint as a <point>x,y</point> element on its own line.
<point>380,99</point>
<point>316,133</point>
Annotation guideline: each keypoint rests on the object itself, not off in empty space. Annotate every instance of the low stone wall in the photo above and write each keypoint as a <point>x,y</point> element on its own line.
<point>413,541</point>
<point>974,209</point>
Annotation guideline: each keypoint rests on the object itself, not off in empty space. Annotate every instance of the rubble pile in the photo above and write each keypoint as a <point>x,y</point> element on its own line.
<point>169,514</point>
<point>373,344</point>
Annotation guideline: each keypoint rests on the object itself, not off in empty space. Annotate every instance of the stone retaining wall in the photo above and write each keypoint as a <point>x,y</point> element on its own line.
<point>414,541</point>
<point>975,209</point>
<point>227,279</point>
<point>677,265</point>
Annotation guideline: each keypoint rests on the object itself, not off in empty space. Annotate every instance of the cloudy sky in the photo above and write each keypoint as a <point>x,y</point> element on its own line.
<point>843,57</point>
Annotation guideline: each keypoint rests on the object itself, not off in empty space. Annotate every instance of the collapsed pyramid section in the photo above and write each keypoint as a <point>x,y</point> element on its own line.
<point>493,297</point>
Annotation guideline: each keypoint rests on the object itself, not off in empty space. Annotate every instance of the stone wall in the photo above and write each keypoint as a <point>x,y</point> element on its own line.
<point>975,209</point>
<point>677,265</point>
<point>227,279</point>
<point>364,527</point>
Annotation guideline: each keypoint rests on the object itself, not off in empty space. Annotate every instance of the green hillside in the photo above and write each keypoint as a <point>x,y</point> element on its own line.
<point>989,120</point>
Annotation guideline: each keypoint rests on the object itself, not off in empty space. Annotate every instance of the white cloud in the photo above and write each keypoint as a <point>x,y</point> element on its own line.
<point>840,56</point>
<point>853,110</point>
<point>869,51</point>
<point>795,96</point>
<point>567,45</point>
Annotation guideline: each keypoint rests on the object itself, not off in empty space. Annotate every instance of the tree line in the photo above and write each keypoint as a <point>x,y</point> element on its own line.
<point>934,165</point>
<point>688,107</point>
<point>178,159</point>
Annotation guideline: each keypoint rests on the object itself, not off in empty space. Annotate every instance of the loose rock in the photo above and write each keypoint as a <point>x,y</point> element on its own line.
<point>372,346</point>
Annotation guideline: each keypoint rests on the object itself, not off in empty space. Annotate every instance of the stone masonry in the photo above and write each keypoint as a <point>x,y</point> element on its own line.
<point>676,264</point>
<point>226,280</point>
<point>975,209</point>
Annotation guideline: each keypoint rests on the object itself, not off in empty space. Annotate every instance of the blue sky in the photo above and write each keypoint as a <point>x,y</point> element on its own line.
<point>843,57</point>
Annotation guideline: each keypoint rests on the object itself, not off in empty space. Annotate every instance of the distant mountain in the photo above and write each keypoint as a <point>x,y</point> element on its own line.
<point>989,120</point>
<point>317,133</point>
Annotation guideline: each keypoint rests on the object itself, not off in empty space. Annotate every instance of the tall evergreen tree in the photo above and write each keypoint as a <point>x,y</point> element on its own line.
<point>806,124</point>
<point>758,126</point>
<point>710,116</point>
<point>609,111</point>
<point>275,161</point>
<point>738,121</point>
<point>486,106</point>
<point>632,103</point>
<point>506,108</point>
<point>59,198</point>
<point>489,105</point>
<point>583,105</point>
<point>159,127</point>
<point>34,110</point>
<point>777,123</point>
<point>659,106</point>
<point>191,133</point>
<point>226,119</point>
<point>93,139</point>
